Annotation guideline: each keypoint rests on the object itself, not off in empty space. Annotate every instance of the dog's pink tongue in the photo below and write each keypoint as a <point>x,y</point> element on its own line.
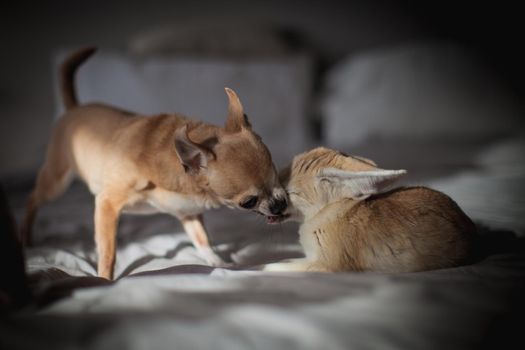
<point>272,219</point>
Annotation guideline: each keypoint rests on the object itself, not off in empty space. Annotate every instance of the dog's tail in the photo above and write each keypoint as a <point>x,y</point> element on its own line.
<point>67,75</point>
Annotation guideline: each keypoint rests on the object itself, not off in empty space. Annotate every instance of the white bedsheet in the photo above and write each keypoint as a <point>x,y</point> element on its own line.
<point>167,298</point>
<point>221,309</point>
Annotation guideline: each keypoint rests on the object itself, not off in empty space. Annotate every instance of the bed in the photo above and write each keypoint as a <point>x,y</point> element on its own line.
<point>165,296</point>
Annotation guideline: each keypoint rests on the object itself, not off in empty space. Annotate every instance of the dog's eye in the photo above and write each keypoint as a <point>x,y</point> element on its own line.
<point>249,203</point>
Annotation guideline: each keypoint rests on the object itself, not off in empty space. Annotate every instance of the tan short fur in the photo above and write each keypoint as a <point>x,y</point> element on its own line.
<point>164,163</point>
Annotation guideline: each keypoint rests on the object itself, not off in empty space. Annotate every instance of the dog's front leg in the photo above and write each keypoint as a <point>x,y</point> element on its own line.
<point>194,227</point>
<point>107,211</point>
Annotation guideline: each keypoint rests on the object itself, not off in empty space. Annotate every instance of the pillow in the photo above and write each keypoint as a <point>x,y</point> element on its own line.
<point>232,37</point>
<point>421,91</point>
<point>275,92</point>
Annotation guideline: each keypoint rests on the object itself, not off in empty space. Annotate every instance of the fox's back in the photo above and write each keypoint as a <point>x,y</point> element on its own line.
<point>406,229</point>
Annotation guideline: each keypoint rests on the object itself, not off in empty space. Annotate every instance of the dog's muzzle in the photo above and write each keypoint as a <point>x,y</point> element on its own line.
<point>278,206</point>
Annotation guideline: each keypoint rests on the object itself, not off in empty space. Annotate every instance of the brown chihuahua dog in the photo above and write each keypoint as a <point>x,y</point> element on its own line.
<point>349,224</point>
<point>164,163</point>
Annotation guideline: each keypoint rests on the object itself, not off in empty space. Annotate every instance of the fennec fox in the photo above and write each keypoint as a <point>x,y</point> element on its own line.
<point>348,224</point>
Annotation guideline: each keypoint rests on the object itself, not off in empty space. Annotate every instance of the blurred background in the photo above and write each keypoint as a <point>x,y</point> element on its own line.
<point>434,87</point>
<point>308,51</point>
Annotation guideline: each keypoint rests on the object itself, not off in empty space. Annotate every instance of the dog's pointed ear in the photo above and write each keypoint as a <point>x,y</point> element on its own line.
<point>359,185</point>
<point>236,119</point>
<point>193,157</point>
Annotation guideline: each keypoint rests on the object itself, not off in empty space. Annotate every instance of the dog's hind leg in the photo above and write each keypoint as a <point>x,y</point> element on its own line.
<point>51,182</point>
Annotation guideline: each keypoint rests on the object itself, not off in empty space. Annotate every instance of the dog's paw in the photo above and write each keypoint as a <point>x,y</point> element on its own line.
<point>213,259</point>
<point>217,261</point>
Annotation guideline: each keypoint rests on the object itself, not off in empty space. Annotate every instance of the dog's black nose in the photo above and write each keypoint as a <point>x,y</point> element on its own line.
<point>278,206</point>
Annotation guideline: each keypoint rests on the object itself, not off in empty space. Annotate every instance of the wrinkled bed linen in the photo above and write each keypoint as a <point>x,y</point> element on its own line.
<point>166,297</point>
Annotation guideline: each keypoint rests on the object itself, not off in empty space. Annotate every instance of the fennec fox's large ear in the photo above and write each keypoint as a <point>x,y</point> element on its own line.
<point>193,156</point>
<point>236,119</point>
<point>359,185</point>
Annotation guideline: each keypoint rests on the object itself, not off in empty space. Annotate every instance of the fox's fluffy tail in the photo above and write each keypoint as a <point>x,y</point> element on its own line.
<point>67,75</point>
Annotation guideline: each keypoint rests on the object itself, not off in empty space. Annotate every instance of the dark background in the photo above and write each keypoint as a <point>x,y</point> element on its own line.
<point>32,31</point>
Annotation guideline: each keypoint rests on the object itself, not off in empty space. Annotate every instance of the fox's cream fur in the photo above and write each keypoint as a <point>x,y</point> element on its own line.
<point>350,224</point>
